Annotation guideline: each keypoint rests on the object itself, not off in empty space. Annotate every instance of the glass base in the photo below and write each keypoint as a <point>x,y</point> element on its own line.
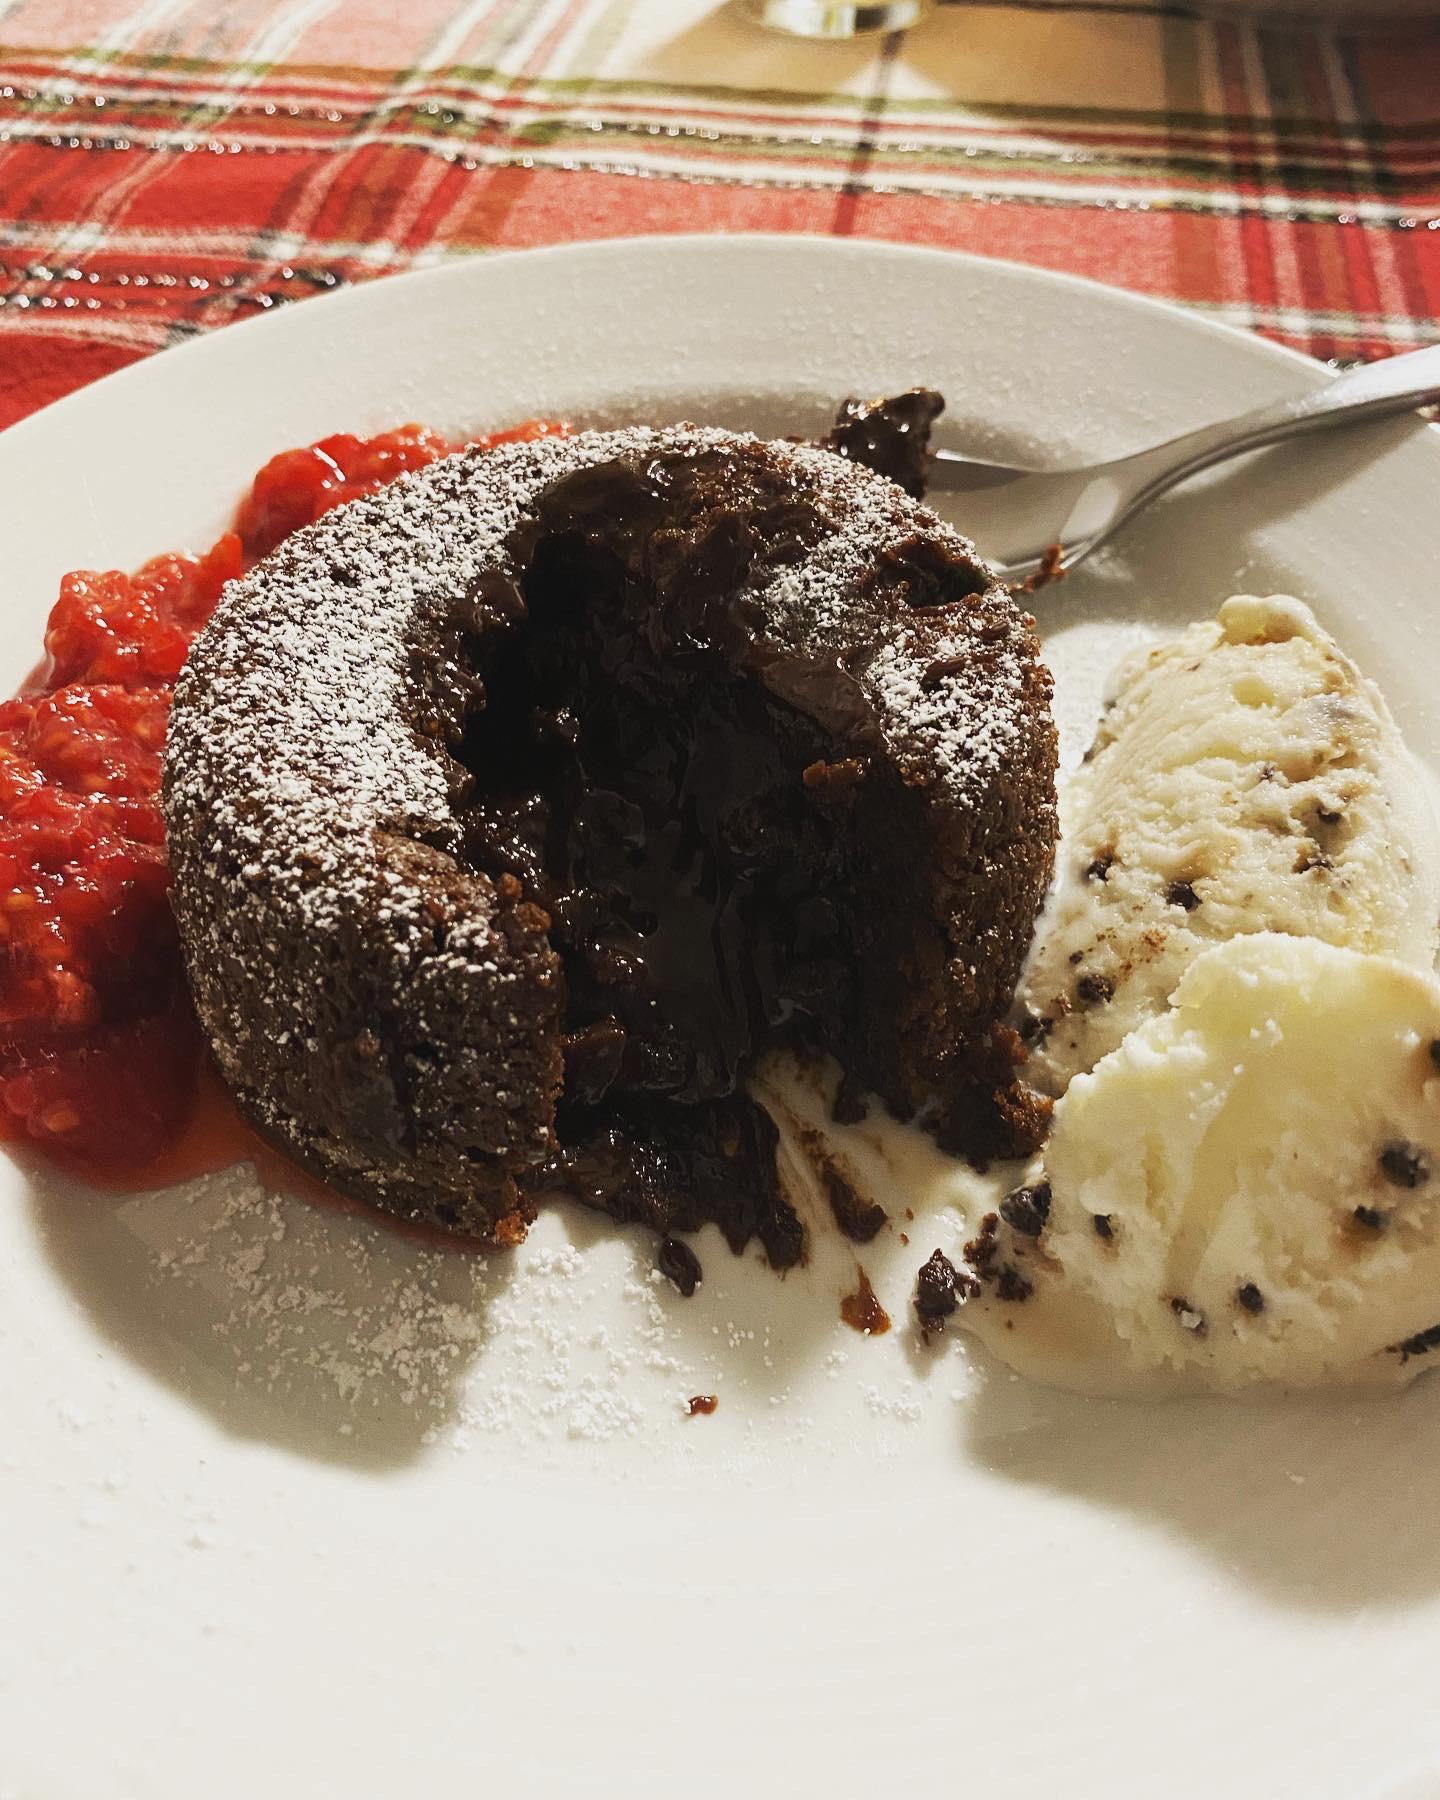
<point>829,19</point>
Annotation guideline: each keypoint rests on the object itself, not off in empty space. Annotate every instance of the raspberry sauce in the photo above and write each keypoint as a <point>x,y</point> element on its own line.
<point>102,1062</point>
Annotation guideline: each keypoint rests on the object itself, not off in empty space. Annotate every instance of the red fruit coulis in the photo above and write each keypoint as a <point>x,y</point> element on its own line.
<point>102,1062</point>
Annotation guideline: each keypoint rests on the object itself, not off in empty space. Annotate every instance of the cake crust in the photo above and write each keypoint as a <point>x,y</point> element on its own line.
<point>397,969</point>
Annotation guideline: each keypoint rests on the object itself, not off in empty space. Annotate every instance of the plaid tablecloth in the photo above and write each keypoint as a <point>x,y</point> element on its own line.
<point>167,166</point>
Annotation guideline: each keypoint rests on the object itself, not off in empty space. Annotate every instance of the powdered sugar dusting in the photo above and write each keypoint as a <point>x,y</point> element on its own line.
<point>328,1333</point>
<point>967,735</point>
<point>310,797</point>
<point>332,1324</point>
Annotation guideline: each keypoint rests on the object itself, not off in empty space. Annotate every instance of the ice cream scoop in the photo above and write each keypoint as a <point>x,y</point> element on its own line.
<point>1246,1191</point>
<point>1246,777</point>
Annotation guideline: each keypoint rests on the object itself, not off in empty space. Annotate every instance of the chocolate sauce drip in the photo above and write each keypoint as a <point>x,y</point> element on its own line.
<point>891,436</point>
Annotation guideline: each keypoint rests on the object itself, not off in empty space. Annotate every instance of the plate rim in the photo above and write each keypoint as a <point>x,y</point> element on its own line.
<point>462,268</point>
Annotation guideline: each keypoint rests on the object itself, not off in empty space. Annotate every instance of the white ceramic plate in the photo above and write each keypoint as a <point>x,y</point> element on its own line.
<point>291,1507</point>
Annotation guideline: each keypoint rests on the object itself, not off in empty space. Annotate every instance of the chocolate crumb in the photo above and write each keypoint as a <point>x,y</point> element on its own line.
<point>1104,1226</point>
<point>1026,1209</point>
<point>1094,990</point>
<point>1035,1028</point>
<point>1404,1165</point>
<point>1006,1120</point>
<point>860,1219</point>
<point>1328,815</point>
<point>1189,1318</point>
<point>1048,570</point>
<point>835,777</point>
<point>980,1254</point>
<point>1099,870</point>
<point>939,1289</point>
<point>1419,1345</point>
<point>1371,1218</point>
<point>1181,893</point>
<point>1311,858</point>
<point>1435,1052</point>
<point>1012,1285</point>
<point>1250,1297</point>
<point>982,1249</point>
<point>702,1404</point>
<point>680,1263</point>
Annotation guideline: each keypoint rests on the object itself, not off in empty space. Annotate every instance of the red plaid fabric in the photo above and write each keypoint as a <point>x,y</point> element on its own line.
<point>168,166</point>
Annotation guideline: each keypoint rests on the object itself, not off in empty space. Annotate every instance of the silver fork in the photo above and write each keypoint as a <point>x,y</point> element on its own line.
<point>1052,518</point>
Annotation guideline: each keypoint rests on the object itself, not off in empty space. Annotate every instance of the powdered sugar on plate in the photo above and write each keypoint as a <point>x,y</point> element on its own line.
<point>332,1334</point>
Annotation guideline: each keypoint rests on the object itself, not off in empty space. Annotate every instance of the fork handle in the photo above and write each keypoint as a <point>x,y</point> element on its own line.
<point>1377,390</point>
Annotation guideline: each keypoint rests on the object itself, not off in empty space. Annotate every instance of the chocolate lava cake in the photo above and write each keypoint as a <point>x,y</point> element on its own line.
<point>516,811</point>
